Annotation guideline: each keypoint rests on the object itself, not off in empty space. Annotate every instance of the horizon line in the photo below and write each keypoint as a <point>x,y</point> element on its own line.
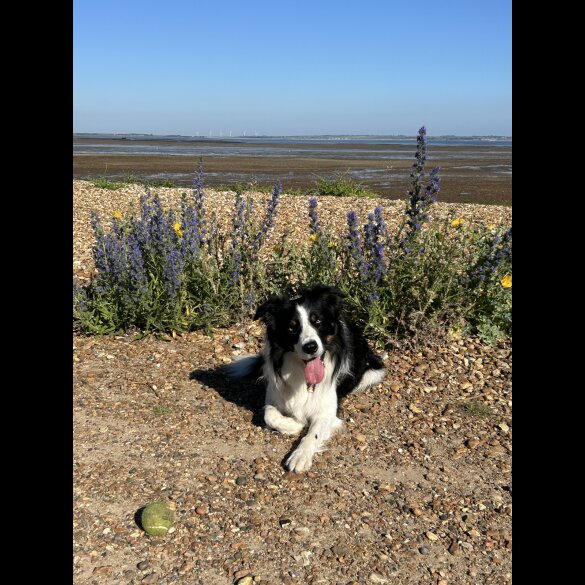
<point>297,135</point>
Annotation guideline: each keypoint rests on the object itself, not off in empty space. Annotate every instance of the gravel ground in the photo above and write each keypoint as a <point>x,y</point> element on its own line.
<point>416,489</point>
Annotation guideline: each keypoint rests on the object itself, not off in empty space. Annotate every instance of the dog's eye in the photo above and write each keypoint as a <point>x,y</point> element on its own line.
<point>292,326</point>
<point>314,319</point>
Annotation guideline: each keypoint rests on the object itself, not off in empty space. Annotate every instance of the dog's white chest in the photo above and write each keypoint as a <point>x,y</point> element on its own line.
<point>295,398</point>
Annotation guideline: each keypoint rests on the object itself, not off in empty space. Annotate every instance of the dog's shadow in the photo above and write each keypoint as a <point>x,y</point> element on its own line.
<point>247,392</point>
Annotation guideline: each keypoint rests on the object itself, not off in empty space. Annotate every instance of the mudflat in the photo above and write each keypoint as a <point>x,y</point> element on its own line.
<point>474,174</point>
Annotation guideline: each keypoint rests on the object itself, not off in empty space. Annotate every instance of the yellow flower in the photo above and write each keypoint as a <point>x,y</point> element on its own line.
<point>506,282</point>
<point>457,222</point>
<point>117,214</point>
<point>177,228</point>
<point>313,237</point>
<point>491,226</point>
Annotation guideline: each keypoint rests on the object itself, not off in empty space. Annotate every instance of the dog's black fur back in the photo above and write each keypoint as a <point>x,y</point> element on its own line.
<point>361,357</point>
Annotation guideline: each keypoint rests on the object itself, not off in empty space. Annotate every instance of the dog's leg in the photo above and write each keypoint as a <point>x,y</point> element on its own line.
<point>370,378</point>
<point>320,430</point>
<point>283,424</point>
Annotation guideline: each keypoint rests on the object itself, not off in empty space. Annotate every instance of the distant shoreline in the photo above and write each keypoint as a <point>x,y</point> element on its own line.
<point>325,140</point>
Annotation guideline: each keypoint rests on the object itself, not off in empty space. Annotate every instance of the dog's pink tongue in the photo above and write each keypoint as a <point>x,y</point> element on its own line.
<point>314,371</point>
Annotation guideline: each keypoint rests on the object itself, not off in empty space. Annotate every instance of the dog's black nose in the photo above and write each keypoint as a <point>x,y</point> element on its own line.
<point>310,347</point>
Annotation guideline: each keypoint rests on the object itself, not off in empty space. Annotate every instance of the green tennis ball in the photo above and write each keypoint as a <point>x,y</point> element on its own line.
<point>157,518</point>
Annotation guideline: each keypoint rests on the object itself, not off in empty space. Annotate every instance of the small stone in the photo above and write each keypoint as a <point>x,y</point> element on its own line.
<point>387,487</point>
<point>143,565</point>
<point>454,549</point>
<point>247,580</point>
<point>241,480</point>
<point>284,522</point>
<point>302,531</point>
<point>395,387</point>
<point>187,566</point>
<point>149,579</point>
<point>103,570</point>
<point>241,573</point>
<point>443,582</point>
<point>414,408</point>
<point>290,476</point>
<point>360,438</point>
<point>340,550</point>
<point>466,386</point>
<point>304,558</point>
<point>424,550</point>
<point>201,510</point>
<point>472,443</point>
<point>432,536</point>
<point>377,578</point>
<point>504,427</point>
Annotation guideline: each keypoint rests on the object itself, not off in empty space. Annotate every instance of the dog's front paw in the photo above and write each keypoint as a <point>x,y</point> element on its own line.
<point>290,426</point>
<point>283,424</point>
<point>300,460</point>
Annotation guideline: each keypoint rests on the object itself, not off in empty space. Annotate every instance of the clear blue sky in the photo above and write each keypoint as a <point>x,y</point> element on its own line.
<point>292,67</point>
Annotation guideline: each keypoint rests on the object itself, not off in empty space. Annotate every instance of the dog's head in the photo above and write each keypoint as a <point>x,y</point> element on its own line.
<point>306,325</point>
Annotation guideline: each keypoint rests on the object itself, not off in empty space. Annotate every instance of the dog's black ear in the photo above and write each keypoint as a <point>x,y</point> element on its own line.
<point>268,308</point>
<point>331,294</point>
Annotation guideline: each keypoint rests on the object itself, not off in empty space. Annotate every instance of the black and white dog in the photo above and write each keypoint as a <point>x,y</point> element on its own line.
<point>312,354</point>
